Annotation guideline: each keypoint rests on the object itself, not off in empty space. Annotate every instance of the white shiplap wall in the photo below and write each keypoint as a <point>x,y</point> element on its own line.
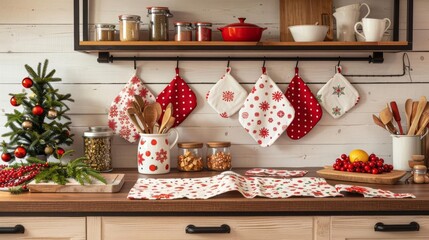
<point>31,31</point>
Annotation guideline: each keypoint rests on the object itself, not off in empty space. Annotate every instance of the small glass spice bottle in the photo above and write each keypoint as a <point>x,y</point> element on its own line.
<point>98,149</point>
<point>158,23</point>
<point>104,32</point>
<point>419,173</point>
<point>219,156</point>
<point>190,157</point>
<point>203,31</point>
<point>183,31</point>
<point>129,27</point>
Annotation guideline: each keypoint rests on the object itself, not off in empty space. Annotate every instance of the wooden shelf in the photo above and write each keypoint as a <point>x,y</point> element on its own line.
<point>97,46</point>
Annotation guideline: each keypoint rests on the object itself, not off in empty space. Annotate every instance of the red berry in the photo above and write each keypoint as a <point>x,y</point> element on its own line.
<point>381,159</point>
<point>20,152</point>
<point>14,101</point>
<point>6,157</point>
<point>367,168</point>
<point>37,110</point>
<point>27,82</point>
<point>379,163</point>
<point>375,171</point>
<point>59,152</point>
<point>153,168</point>
<point>371,155</point>
<point>343,156</point>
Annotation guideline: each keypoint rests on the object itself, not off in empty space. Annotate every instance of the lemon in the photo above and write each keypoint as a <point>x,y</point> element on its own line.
<point>358,155</point>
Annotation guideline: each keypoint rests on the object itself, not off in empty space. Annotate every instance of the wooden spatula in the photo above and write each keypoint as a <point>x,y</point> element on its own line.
<point>378,122</point>
<point>131,114</point>
<point>386,117</point>
<point>420,107</point>
<point>166,118</point>
<point>424,122</point>
<point>169,124</point>
<point>408,111</point>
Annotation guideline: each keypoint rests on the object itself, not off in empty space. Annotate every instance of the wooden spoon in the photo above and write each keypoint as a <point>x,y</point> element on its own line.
<point>158,108</point>
<point>408,111</point>
<point>378,122</point>
<point>150,116</point>
<point>425,120</point>
<point>169,124</point>
<point>166,118</point>
<point>426,110</point>
<point>396,116</point>
<point>413,112</point>
<point>140,102</point>
<point>420,107</point>
<point>140,117</point>
<point>132,116</point>
<point>386,117</point>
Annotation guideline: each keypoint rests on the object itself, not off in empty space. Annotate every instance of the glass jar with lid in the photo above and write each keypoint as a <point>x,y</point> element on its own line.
<point>183,31</point>
<point>104,32</point>
<point>219,156</point>
<point>98,148</point>
<point>158,23</point>
<point>203,31</point>
<point>190,158</point>
<point>129,27</point>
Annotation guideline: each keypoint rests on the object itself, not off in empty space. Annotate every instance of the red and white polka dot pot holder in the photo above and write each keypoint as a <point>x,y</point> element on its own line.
<point>118,120</point>
<point>266,112</point>
<point>338,95</point>
<point>181,96</point>
<point>307,110</point>
<point>227,95</point>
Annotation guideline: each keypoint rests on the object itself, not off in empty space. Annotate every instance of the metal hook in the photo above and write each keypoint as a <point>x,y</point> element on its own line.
<point>177,63</point>
<point>229,59</point>
<point>339,61</point>
<point>263,65</point>
<point>297,61</point>
<point>135,63</point>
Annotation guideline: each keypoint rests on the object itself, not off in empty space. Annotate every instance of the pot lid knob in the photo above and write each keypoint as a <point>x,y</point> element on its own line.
<point>241,19</point>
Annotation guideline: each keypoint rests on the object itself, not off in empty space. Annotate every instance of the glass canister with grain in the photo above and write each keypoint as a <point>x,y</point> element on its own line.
<point>219,156</point>
<point>104,32</point>
<point>158,23</point>
<point>98,148</point>
<point>183,31</point>
<point>129,27</point>
<point>190,158</point>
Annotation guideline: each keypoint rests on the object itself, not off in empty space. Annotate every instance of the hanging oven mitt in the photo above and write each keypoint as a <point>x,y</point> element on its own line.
<point>227,95</point>
<point>307,110</point>
<point>266,112</point>
<point>338,95</point>
<point>181,96</point>
<point>118,119</point>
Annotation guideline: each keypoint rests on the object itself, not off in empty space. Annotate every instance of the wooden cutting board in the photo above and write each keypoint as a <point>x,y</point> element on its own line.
<point>305,12</point>
<point>114,184</point>
<point>384,178</point>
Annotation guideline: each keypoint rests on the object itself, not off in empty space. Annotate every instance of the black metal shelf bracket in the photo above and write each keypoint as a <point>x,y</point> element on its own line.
<point>105,57</point>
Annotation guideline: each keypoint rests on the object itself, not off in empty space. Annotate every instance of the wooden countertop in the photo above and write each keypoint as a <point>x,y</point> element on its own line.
<point>228,203</point>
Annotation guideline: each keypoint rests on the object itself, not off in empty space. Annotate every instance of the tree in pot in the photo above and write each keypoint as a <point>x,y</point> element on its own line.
<point>38,129</point>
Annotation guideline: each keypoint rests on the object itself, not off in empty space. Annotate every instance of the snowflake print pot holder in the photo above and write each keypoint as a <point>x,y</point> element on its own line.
<point>118,119</point>
<point>266,112</point>
<point>338,95</point>
<point>308,111</point>
<point>181,96</point>
<point>227,96</point>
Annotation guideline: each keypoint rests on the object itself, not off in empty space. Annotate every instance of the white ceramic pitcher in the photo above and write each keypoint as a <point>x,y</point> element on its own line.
<point>346,17</point>
<point>403,147</point>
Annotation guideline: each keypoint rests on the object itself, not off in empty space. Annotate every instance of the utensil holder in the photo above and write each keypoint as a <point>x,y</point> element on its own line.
<point>403,147</point>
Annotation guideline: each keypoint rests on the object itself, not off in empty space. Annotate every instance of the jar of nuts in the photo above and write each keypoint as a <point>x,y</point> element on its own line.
<point>97,148</point>
<point>190,157</point>
<point>219,156</point>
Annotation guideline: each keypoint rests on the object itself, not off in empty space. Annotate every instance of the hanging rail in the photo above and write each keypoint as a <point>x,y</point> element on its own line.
<point>105,57</point>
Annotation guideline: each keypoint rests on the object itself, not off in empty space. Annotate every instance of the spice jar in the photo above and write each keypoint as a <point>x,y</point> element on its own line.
<point>203,31</point>
<point>190,157</point>
<point>218,156</point>
<point>183,31</point>
<point>104,32</point>
<point>129,27</point>
<point>97,148</point>
<point>158,23</point>
<point>419,174</point>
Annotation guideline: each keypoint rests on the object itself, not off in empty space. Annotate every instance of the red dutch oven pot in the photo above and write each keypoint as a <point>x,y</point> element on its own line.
<point>242,32</point>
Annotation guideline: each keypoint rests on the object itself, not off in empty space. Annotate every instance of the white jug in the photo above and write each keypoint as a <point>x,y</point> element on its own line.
<point>346,18</point>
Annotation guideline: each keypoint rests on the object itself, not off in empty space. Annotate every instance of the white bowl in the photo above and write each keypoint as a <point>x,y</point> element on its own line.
<point>309,33</point>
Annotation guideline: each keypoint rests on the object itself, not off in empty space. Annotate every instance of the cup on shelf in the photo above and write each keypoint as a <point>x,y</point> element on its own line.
<point>373,29</point>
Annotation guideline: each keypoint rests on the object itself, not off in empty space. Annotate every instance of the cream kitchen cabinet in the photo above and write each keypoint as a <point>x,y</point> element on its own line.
<point>174,228</point>
<point>38,228</point>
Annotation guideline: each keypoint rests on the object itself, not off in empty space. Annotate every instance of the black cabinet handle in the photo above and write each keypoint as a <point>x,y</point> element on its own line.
<point>192,229</point>
<point>11,230</point>
<point>381,227</point>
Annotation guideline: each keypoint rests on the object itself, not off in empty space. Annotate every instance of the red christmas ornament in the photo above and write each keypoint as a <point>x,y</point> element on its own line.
<point>20,152</point>
<point>27,82</point>
<point>59,152</point>
<point>6,157</point>
<point>14,101</point>
<point>38,110</point>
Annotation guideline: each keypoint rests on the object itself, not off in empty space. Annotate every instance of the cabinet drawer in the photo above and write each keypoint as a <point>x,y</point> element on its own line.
<point>355,227</point>
<point>38,228</point>
<point>173,228</point>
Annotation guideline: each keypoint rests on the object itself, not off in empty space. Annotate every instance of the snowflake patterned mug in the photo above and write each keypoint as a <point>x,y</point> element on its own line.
<point>153,154</point>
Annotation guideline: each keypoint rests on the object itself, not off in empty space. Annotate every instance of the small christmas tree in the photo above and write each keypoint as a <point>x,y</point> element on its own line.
<point>37,130</point>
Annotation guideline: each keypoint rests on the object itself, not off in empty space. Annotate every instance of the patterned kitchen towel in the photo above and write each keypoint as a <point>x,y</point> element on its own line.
<point>371,192</point>
<point>227,96</point>
<point>118,120</point>
<point>249,187</point>
<point>338,95</point>
<point>267,172</point>
<point>266,113</point>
